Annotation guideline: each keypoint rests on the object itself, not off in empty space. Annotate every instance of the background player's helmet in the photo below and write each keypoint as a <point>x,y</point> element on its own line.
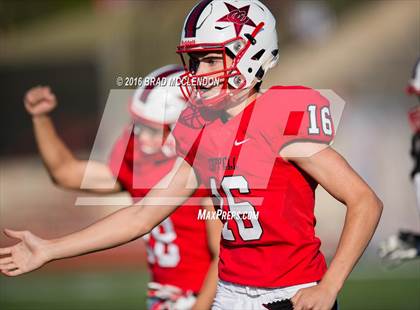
<point>243,29</point>
<point>159,101</point>
<point>414,83</point>
<point>413,88</point>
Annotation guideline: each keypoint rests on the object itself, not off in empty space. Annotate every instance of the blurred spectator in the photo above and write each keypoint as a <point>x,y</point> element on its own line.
<point>311,21</point>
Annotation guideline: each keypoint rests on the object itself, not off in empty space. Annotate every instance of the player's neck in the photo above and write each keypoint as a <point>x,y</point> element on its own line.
<point>235,109</point>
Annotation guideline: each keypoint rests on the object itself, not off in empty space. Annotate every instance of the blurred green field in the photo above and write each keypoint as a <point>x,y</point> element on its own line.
<point>75,290</point>
<point>126,290</point>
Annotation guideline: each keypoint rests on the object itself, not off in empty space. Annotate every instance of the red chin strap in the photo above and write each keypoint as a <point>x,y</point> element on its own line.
<point>193,91</point>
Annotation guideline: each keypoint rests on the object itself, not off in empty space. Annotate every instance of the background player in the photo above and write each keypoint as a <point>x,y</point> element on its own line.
<point>145,152</point>
<point>406,244</point>
<point>251,28</point>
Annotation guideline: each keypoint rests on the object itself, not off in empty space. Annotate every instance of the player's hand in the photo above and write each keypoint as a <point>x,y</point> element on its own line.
<point>318,297</point>
<point>29,254</point>
<point>39,101</point>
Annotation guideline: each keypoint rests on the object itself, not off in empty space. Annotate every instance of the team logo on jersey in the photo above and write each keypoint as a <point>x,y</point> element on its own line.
<point>237,16</point>
<point>225,163</point>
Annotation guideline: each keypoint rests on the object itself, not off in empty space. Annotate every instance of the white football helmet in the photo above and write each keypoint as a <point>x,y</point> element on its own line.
<point>242,29</point>
<point>159,101</point>
<point>414,83</point>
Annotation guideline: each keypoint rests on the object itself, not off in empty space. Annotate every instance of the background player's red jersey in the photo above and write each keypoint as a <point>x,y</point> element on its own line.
<point>238,159</point>
<point>177,249</point>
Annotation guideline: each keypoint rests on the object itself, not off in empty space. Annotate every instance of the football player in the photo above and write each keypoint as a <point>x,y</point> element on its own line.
<point>139,154</point>
<point>405,245</point>
<point>247,148</point>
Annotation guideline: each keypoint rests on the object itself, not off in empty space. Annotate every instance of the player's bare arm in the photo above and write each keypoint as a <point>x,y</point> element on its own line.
<point>63,167</point>
<point>208,290</point>
<point>118,228</point>
<point>364,209</point>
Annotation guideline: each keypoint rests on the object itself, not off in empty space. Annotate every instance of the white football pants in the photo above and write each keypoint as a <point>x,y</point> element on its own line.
<point>231,296</point>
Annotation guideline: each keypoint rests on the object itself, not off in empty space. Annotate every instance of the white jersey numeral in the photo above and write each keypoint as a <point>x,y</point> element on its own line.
<point>164,252</point>
<point>227,234</point>
<point>325,121</point>
<point>237,183</point>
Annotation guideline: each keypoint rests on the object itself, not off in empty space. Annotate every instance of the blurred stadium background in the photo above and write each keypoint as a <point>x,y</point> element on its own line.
<point>363,50</point>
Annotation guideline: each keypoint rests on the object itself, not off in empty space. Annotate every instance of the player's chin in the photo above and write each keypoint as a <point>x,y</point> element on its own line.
<point>149,150</point>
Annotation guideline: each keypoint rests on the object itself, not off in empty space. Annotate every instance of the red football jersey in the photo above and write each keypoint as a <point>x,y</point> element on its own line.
<point>177,249</point>
<point>268,237</point>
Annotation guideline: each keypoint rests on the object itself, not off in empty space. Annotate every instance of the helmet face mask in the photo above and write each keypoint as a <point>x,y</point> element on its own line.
<point>195,86</point>
<point>206,72</point>
<point>242,30</point>
<point>151,137</point>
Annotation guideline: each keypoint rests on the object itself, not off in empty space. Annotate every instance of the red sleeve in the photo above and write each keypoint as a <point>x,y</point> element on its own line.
<point>121,156</point>
<point>298,114</point>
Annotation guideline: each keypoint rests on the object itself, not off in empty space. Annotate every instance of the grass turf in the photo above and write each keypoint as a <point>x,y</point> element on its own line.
<point>126,290</point>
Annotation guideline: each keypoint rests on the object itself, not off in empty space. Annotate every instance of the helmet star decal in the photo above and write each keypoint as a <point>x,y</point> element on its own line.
<point>237,16</point>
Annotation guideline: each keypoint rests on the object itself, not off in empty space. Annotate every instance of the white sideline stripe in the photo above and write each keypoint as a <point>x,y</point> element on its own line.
<point>127,201</point>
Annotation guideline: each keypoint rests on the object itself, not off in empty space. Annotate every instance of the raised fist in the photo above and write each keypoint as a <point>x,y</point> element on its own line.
<point>39,100</point>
